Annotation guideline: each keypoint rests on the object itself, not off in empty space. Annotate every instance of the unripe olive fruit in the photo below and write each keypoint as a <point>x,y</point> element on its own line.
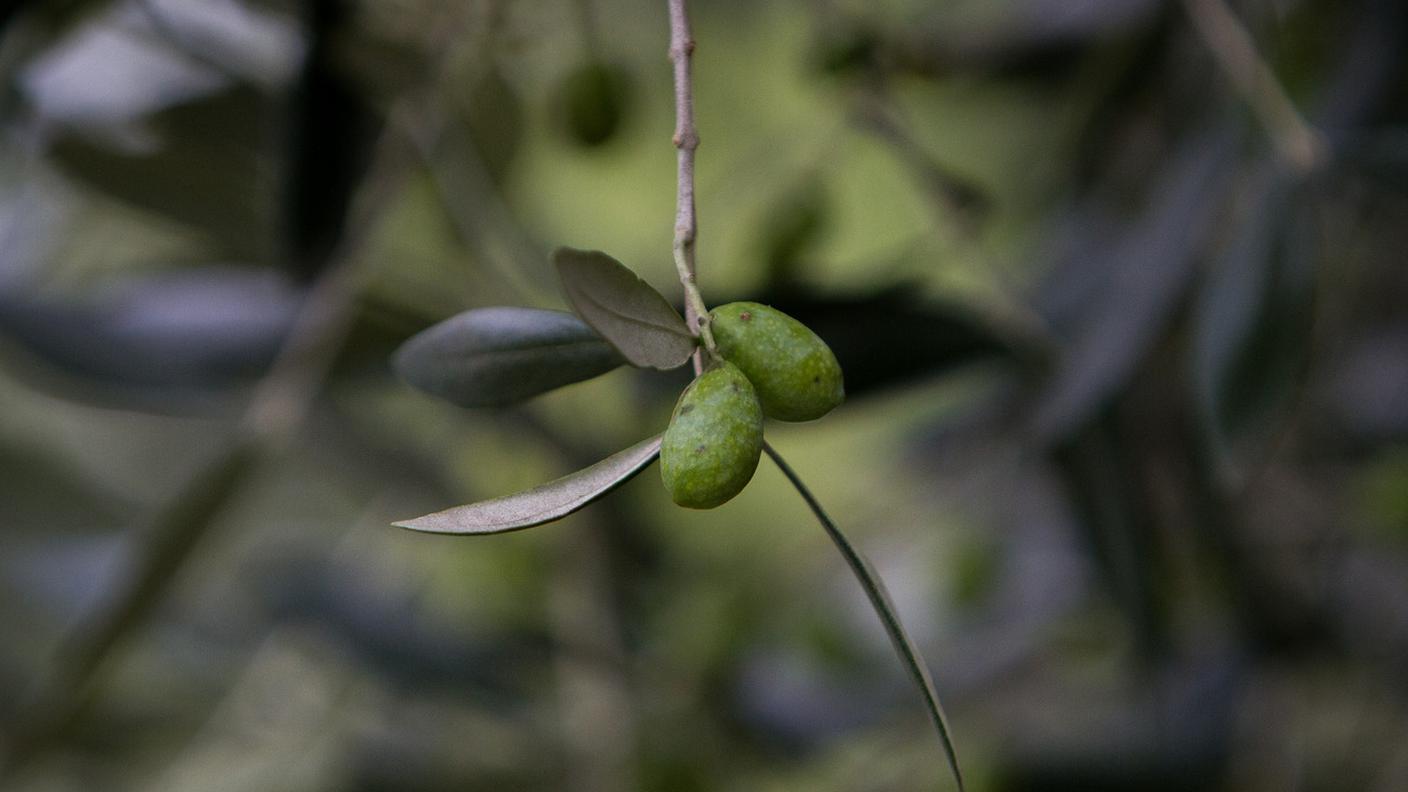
<point>711,448</point>
<point>794,371</point>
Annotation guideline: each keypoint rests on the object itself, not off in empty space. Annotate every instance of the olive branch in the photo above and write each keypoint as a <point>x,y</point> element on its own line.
<point>498,356</point>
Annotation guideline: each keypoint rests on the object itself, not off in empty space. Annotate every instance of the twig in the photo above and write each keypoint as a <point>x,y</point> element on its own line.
<point>1295,140</point>
<point>686,141</point>
<point>279,405</point>
<point>485,225</point>
<point>958,201</point>
<point>598,717</point>
<point>599,722</point>
<point>874,588</point>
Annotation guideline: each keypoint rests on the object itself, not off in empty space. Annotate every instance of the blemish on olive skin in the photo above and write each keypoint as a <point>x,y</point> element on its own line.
<point>700,449</point>
<point>744,316</point>
<point>686,409</point>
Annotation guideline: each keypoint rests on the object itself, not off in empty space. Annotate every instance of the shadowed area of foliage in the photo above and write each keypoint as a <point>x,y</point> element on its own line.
<point>1125,429</point>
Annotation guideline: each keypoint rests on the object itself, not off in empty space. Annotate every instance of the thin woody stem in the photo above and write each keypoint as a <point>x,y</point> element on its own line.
<point>686,140</point>
<point>1295,140</point>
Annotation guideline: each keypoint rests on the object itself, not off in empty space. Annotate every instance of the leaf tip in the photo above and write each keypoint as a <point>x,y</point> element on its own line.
<point>417,524</point>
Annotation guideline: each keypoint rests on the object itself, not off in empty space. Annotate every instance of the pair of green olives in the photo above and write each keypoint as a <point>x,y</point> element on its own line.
<point>772,366</point>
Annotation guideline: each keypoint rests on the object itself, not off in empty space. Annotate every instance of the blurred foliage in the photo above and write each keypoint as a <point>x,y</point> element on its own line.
<point>1126,436</point>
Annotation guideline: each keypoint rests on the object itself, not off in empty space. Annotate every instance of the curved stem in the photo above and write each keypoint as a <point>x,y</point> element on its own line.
<point>1295,140</point>
<point>874,588</point>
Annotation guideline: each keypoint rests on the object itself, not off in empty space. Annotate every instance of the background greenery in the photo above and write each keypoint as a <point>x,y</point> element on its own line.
<point>1125,436</point>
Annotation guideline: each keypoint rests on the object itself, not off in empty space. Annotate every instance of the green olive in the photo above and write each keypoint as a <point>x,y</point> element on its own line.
<point>715,437</point>
<point>794,371</point>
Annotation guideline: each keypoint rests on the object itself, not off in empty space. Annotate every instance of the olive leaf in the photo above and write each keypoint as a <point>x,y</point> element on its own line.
<point>632,316</point>
<point>491,357</point>
<point>201,174</point>
<point>543,504</point>
<point>1250,319</point>
<point>198,328</point>
<point>1137,281</point>
<point>884,608</point>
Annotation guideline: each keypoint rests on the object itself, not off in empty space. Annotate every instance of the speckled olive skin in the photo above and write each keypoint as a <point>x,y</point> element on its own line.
<point>794,371</point>
<point>715,437</point>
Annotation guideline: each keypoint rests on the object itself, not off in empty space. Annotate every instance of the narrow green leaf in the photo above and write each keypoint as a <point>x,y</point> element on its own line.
<point>199,175</point>
<point>889,617</point>
<point>491,357</point>
<point>1250,322</point>
<point>1136,281</point>
<point>627,311</point>
<point>551,501</point>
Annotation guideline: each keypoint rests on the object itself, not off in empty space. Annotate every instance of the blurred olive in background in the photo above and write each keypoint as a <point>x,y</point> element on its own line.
<point>593,102</point>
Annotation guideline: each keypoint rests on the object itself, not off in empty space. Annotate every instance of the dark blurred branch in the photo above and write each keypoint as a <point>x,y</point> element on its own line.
<point>959,207</point>
<point>591,662</point>
<point>482,220</point>
<point>1296,142</point>
<point>597,710</point>
<point>277,410</point>
<point>959,201</point>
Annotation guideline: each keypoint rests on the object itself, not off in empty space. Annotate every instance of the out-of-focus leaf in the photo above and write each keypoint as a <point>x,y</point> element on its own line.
<point>105,76</point>
<point>1175,731</point>
<point>491,357</point>
<point>134,59</point>
<point>174,533</point>
<point>207,327</point>
<point>1098,469</point>
<point>1366,392</point>
<point>627,311</point>
<point>1030,38</point>
<point>1145,274</point>
<point>47,495</point>
<point>1359,84</point>
<point>388,632</point>
<point>1251,321</point>
<point>493,113</point>
<point>332,133</point>
<point>205,170</point>
<point>551,501</point>
<point>790,228</point>
<point>1381,156</point>
<point>953,194</point>
<point>240,39</point>
<point>1037,22</point>
<point>1228,308</point>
